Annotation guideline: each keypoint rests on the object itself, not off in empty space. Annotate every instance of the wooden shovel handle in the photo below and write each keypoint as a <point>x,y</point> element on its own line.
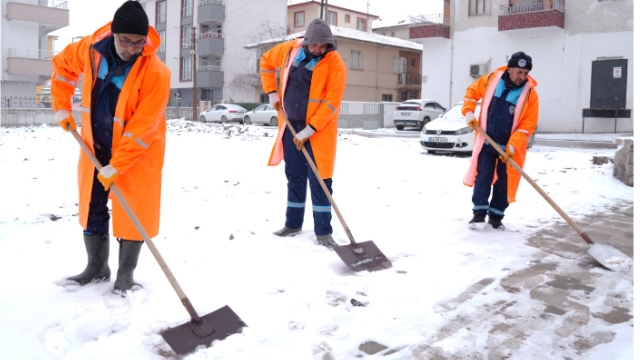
<point>575,226</point>
<point>134,219</point>
<point>321,181</point>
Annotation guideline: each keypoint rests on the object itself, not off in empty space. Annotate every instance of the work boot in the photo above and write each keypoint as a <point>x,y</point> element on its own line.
<point>326,240</point>
<point>129,253</point>
<point>287,231</point>
<point>496,223</point>
<point>97,261</point>
<point>477,218</point>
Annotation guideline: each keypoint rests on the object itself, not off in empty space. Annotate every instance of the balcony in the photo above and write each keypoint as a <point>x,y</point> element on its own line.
<point>210,43</point>
<point>50,14</point>
<point>409,80</point>
<point>210,76</point>
<point>211,12</point>
<point>29,62</point>
<point>429,26</point>
<point>532,14</point>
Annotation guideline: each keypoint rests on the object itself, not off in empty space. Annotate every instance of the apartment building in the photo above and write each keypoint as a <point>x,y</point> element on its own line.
<point>217,57</point>
<point>27,47</point>
<point>582,54</point>
<point>299,15</point>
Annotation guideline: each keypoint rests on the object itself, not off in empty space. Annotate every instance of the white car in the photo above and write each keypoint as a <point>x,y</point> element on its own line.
<point>263,114</point>
<point>416,113</point>
<point>450,132</point>
<point>223,113</point>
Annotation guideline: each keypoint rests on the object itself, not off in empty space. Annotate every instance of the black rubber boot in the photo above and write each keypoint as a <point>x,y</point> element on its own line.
<point>98,261</point>
<point>478,218</point>
<point>129,253</point>
<point>287,231</point>
<point>326,240</point>
<point>496,223</point>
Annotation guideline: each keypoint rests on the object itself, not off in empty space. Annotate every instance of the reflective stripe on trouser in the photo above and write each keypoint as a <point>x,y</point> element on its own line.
<point>298,171</point>
<point>98,219</point>
<point>487,160</point>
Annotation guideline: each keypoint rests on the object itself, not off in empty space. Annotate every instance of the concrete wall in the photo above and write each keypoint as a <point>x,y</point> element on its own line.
<point>31,117</point>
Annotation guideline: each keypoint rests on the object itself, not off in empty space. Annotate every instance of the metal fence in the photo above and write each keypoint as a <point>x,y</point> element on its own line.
<point>25,102</point>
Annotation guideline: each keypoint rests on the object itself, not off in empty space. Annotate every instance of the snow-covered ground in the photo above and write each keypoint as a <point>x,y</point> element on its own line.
<point>220,205</point>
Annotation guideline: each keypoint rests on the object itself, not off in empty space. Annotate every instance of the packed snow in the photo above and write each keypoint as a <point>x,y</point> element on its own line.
<point>452,293</point>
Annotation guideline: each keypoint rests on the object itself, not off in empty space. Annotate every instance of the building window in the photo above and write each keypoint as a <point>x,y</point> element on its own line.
<point>355,59</point>
<point>362,24</point>
<point>347,18</point>
<point>413,94</point>
<point>186,37</point>
<point>264,98</point>
<point>399,65</point>
<point>479,7</point>
<point>332,18</point>
<point>413,62</point>
<point>259,53</point>
<point>403,96</point>
<point>299,19</point>
<point>206,94</point>
<point>185,67</point>
<point>161,12</point>
<point>387,97</point>
<point>187,10</point>
<point>393,33</point>
<point>162,41</point>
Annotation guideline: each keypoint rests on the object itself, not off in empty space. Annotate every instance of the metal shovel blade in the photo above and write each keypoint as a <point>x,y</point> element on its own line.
<point>610,257</point>
<point>371,258</point>
<point>217,325</point>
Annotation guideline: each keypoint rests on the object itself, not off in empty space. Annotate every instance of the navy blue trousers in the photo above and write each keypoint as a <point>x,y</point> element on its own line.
<point>98,220</point>
<point>487,160</point>
<point>298,171</point>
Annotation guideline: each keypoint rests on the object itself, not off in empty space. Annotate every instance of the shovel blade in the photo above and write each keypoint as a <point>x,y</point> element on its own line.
<point>610,257</point>
<point>370,259</point>
<point>217,325</point>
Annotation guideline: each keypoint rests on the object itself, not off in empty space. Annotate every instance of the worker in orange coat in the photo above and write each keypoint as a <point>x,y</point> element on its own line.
<point>509,116</point>
<point>313,78</point>
<point>125,90</point>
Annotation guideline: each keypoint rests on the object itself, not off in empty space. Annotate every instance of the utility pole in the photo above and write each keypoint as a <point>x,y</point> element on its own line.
<point>194,73</point>
<point>322,9</point>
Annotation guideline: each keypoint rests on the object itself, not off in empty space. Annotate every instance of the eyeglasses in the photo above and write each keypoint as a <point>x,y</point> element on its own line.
<point>138,44</point>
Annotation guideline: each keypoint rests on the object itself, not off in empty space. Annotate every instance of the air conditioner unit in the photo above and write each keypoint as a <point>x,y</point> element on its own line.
<point>477,70</point>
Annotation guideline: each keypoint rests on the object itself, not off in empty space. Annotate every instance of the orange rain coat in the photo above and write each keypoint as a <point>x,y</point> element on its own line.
<point>138,132</point>
<point>525,121</point>
<point>328,83</point>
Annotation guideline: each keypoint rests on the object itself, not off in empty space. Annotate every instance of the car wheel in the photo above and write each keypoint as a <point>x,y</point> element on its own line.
<point>224,119</point>
<point>400,127</point>
<point>425,121</point>
<point>247,120</point>
<point>203,119</point>
<point>273,121</point>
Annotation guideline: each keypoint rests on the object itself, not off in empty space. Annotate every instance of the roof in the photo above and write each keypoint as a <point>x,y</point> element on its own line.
<point>351,34</point>
<point>406,21</point>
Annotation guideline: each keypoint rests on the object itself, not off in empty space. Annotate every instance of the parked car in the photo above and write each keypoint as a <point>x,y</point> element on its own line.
<point>263,114</point>
<point>416,113</point>
<point>223,113</point>
<point>450,132</point>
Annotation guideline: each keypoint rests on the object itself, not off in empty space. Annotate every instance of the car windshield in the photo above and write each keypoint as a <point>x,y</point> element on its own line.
<point>456,112</point>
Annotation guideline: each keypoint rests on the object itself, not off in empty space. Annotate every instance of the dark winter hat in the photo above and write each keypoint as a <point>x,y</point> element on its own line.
<point>130,18</point>
<point>318,32</point>
<point>520,60</point>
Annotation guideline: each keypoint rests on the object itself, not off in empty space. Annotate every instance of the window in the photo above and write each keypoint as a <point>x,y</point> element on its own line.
<point>403,96</point>
<point>413,62</point>
<point>347,18</point>
<point>187,10</point>
<point>259,52</point>
<point>162,41</point>
<point>264,98</point>
<point>206,94</point>
<point>161,12</point>
<point>186,37</point>
<point>332,18</point>
<point>185,73</point>
<point>413,94</point>
<point>399,65</point>
<point>361,24</point>
<point>298,19</point>
<point>387,97</point>
<point>355,59</point>
<point>479,7</point>
<point>393,33</point>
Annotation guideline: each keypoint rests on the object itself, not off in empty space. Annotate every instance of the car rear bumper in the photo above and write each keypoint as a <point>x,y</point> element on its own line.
<point>408,122</point>
<point>452,143</point>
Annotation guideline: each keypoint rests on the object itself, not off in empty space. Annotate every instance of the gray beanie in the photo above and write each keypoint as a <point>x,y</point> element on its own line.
<point>319,32</point>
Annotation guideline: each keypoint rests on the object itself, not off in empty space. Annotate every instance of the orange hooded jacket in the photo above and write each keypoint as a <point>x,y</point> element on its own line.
<point>328,83</point>
<point>138,132</point>
<point>525,121</point>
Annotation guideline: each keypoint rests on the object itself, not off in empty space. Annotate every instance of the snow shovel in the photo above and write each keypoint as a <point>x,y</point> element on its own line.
<point>606,255</point>
<point>200,331</point>
<point>358,256</point>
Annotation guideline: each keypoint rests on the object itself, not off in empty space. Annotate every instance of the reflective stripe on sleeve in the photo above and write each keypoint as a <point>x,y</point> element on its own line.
<point>62,78</point>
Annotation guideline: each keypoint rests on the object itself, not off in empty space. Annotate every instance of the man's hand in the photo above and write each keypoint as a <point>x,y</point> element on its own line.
<point>303,136</point>
<point>507,154</point>
<point>471,120</point>
<point>65,120</point>
<point>107,176</point>
<point>274,100</point>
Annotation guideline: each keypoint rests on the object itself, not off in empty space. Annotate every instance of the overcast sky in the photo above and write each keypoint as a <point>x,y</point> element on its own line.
<point>87,16</point>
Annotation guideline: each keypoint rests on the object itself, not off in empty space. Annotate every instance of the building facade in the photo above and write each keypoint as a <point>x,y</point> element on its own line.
<point>300,15</point>
<point>27,47</point>
<point>216,30</point>
<point>582,54</point>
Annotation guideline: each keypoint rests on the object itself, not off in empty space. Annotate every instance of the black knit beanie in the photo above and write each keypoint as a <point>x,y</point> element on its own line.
<point>130,18</point>
<point>520,60</point>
